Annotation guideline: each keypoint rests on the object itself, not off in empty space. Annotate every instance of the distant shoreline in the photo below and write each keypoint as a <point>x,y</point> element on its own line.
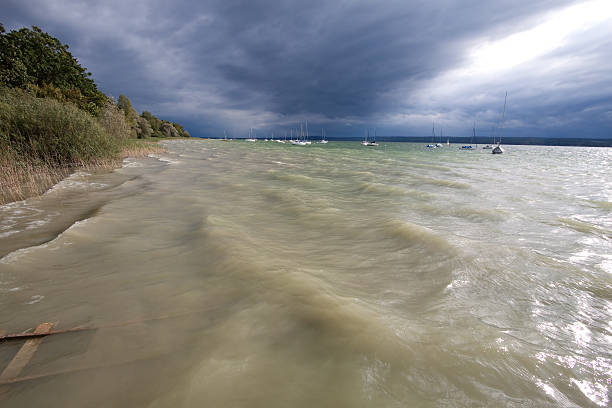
<point>531,141</point>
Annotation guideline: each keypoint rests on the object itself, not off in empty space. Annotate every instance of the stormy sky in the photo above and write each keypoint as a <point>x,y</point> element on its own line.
<point>346,65</point>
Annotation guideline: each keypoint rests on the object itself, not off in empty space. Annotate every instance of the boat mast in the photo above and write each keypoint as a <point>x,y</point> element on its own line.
<point>433,132</point>
<point>501,130</point>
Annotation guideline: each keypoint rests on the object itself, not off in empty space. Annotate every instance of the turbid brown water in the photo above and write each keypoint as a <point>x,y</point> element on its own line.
<point>269,275</point>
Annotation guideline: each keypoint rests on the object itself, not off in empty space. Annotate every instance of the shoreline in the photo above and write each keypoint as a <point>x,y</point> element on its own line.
<point>22,180</point>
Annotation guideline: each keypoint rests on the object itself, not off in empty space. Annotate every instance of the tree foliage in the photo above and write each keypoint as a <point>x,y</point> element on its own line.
<point>31,58</point>
<point>143,128</point>
<point>42,67</point>
<point>113,121</point>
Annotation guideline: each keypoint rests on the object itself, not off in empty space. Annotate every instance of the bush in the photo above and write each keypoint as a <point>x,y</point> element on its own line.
<point>45,130</point>
<point>113,121</point>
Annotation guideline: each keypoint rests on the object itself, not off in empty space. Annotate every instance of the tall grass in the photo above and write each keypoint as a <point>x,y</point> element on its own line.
<point>42,140</point>
<point>47,131</point>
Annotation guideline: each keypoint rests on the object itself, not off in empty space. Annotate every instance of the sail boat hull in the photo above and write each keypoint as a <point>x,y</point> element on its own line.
<point>497,150</point>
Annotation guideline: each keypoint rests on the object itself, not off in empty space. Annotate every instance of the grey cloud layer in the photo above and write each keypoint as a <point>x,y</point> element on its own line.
<point>232,64</point>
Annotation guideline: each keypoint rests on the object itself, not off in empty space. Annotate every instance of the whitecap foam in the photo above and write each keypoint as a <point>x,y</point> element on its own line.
<point>37,223</point>
<point>76,181</point>
<point>606,265</point>
<point>130,162</point>
<point>9,233</point>
<point>13,215</point>
<point>164,159</point>
<point>35,299</point>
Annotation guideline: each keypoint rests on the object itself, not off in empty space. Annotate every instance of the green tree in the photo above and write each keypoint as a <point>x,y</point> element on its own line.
<point>143,128</point>
<point>131,116</point>
<point>168,130</point>
<point>33,57</point>
<point>181,130</point>
<point>155,123</point>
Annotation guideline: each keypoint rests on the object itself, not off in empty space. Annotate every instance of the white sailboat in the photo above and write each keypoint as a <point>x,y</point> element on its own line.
<point>302,140</point>
<point>498,149</point>
<point>323,140</point>
<point>433,135</point>
<point>251,138</point>
<point>367,142</point>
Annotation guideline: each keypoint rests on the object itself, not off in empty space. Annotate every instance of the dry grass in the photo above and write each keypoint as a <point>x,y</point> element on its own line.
<point>140,148</point>
<point>21,179</point>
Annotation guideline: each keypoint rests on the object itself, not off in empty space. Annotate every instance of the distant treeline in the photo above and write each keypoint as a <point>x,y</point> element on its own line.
<point>52,110</point>
<point>53,116</point>
<point>541,141</point>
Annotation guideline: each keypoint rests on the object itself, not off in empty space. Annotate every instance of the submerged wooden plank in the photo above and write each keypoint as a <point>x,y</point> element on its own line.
<point>25,354</point>
<point>4,383</point>
<point>33,335</point>
<point>24,336</point>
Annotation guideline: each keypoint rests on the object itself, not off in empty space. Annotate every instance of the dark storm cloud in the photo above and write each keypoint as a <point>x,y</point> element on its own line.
<point>236,64</point>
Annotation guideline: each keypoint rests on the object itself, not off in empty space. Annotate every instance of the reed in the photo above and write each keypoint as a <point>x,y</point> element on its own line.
<point>140,148</point>
<point>21,179</point>
<point>48,131</point>
<point>43,140</point>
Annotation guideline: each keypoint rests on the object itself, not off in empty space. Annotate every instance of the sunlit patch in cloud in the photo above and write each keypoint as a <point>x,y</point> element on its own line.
<point>556,74</point>
<point>524,46</point>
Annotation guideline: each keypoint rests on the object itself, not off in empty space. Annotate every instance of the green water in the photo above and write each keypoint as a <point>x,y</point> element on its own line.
<point>264,274</point>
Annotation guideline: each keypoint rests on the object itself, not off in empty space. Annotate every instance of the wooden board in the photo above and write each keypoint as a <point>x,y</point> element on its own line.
<point>25,354</point>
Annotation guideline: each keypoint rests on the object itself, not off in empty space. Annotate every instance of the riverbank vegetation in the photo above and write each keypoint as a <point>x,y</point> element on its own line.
<point>54,120</point>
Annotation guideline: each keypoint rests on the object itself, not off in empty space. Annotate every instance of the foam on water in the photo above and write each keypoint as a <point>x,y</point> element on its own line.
<point>165,159</point>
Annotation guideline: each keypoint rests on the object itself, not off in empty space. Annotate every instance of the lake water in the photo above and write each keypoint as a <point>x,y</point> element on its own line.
<point>260,274</point>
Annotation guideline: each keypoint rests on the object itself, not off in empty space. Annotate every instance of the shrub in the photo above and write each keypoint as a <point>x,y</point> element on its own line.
<point>46,130</point>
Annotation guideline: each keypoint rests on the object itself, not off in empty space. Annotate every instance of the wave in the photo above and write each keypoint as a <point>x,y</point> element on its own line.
<point>477,214</point>
<point>410,234</point>
<point>604,205</point>
<point>293,178</point>
<point>432,167</point>
<point>383,189</point>
<point>444,183</point>
<point>585,227</point>
<point>131,162</point>
<point>76,181</point>
<point>18,253</point>
<point>164,159</point>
